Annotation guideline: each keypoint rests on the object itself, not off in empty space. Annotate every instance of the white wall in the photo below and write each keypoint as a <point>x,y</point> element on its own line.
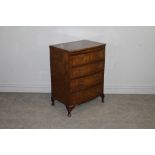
<point>130,57</point>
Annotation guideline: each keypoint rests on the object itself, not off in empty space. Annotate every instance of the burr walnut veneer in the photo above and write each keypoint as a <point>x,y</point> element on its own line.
<point>77,72</point>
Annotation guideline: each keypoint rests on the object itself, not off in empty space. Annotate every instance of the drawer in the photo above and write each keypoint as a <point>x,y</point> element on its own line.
<point>86,69</point>
<point>90,57</point>
<point>86,95</point>
<point>86,82</point>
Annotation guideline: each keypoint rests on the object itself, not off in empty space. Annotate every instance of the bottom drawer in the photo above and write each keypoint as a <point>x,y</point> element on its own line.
<point>86,95</point>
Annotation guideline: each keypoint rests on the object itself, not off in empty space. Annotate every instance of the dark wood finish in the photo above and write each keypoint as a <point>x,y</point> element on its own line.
<point>52,100</point>
<point>86,58</point>
<point>86,95</point>
<point>86,70</point>
<point>77,72</point>
<point>78,46</point>
<point>86,82</point>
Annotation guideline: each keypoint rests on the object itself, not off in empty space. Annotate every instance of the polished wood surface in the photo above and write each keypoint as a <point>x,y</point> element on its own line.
<point>78,45</point>
<point>86,70</point>
<point>86,58</point>
<point>86,82</point>
<point>77,72</point>
<point>86,95</point>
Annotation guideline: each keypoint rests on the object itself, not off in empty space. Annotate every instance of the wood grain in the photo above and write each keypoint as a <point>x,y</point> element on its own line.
<point>86,70</point>
<point>77,72</point>
<point>86,82</point>
<point>87,58</point>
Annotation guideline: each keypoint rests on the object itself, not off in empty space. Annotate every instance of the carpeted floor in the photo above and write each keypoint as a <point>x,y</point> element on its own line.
<point>33,111</point>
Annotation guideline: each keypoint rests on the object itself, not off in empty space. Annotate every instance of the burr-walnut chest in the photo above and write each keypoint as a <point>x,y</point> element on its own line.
<point>77,72</point>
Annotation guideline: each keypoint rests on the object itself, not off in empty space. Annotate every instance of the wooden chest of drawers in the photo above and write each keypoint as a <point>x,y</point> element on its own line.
<point>77,72</point>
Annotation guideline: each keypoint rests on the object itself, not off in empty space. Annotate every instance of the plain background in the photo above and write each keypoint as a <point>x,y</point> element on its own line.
<point>130,53</point>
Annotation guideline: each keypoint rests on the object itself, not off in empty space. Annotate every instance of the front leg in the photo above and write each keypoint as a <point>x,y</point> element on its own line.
<point>52,100</point>
<point>69,109</point>
<point>102,97</point>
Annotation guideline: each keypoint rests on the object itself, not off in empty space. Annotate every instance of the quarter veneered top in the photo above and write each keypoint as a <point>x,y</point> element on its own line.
<point>78,45</point>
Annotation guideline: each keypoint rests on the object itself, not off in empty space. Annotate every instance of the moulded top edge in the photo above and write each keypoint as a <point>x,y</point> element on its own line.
<point>78,45</point>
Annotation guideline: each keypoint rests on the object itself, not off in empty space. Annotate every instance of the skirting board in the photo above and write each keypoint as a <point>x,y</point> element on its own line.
<point>113,89</point>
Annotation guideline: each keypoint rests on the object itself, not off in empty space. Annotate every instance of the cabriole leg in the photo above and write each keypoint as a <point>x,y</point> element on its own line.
<point>52,100</point>
<point>102,97</point>
<point>69,109</point>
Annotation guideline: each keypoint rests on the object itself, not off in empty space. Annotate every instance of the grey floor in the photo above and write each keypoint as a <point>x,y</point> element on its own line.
<point>33,111</point>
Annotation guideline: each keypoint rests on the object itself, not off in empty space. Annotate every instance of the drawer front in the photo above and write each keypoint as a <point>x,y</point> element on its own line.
<point>86,69</point>
<point>90,57</point>
<point>86,95</point>
<point>86,82</point>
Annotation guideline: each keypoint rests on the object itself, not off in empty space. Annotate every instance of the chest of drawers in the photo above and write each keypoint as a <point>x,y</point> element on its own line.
<point>77,72</point>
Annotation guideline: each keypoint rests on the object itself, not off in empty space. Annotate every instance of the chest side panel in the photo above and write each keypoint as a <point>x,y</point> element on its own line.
<point>59,61</point>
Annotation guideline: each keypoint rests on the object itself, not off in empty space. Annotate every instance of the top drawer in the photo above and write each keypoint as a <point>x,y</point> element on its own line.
<point>81,59</point>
